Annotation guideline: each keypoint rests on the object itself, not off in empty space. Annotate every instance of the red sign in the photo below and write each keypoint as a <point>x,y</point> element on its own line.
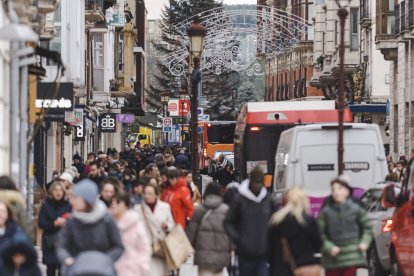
<point>184,108</point>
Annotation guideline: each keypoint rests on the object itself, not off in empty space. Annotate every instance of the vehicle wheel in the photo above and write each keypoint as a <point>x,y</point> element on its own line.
<point>374,265</point>
<point>395,267</point>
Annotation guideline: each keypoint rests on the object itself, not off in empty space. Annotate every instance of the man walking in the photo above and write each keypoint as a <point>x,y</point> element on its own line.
<point>246,224</point>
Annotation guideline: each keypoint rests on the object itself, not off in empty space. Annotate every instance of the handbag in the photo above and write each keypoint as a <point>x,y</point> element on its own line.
<point>157,244</point>
<point>177,248</point>
<point>306,270</point>
<point>49,240</point>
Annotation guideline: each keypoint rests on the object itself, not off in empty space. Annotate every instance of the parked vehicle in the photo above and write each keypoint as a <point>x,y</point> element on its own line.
<point>307,157</point>
<point>402,229</point>
<point>381,219</point>
<point>212,165</point>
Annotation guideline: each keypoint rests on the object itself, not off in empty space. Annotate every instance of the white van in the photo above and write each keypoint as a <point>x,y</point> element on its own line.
<point>307,156</point>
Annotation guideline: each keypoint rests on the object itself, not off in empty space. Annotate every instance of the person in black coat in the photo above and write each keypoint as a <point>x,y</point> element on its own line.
<point>52,217</point>
<point>19,257</point>
<point>182,161</point>
<point>8,228</point>
<point>225,175</point>
<point>294,224</point>
<point>246,224</point>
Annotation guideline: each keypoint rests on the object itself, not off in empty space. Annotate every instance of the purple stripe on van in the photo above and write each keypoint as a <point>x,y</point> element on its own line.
<point>317,202</point>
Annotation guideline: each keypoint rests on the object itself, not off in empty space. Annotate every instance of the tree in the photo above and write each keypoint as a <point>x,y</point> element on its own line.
<point>219,89</point>
<point>245,93</point>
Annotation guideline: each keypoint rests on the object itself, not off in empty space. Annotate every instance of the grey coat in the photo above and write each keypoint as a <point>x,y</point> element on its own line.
<point>94,231</point>
<point>209,239</point>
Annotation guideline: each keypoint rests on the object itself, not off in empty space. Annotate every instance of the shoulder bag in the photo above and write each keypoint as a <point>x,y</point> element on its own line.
<point>157,244</point>
<point>306,270</point>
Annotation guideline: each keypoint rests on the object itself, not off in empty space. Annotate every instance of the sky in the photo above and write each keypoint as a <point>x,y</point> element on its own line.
<point>154,6</point>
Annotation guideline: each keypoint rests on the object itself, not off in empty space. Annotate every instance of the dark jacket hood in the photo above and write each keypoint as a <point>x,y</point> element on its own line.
<point>20,244</point>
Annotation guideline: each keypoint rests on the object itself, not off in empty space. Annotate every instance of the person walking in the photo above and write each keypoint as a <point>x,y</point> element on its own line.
<point>247,224</point>
<point>345,229</point>
<point>226,175</point>
<point>207,235</point>
<point>158,221</point>
<point>182,161</point>
<point>8,227</point>
<point>294,238</point>
<point>91,227</point>
<point>52,217</point>
<point>178,196</point>
<point>135,261</point>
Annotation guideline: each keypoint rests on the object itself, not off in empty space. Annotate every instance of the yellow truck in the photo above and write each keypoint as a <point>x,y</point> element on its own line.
<point>143,136</point>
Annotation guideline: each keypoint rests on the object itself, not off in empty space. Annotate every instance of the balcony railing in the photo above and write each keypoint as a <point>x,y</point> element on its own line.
<point>400,18</point>
<point>94,10</point>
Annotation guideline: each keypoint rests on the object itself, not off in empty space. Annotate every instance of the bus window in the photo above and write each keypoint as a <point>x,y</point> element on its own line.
<point>221,134</point>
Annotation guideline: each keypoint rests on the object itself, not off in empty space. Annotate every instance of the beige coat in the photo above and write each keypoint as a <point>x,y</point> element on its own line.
<point>162,214</point>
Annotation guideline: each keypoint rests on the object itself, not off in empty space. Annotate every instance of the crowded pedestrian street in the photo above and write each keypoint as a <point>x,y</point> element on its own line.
<point>206,138</point>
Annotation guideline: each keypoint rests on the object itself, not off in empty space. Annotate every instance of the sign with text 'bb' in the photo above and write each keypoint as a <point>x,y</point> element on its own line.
<point>107,122</point>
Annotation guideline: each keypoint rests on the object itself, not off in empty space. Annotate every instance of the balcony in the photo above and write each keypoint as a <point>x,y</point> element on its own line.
<point>365,14</point>
<point>400,18</point>
<point>410,17</point>
<point>94,10</point>
<point>46,6</point>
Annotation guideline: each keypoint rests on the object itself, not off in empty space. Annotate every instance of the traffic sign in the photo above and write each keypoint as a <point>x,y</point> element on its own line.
<point>180,121</point>
<point>166,129</point>
<point>205,117</point>
<point>167,121</point>
<point>200,111</point>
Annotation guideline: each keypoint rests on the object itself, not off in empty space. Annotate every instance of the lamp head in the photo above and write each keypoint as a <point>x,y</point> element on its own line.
<point>165,97</point>
<point>343,3</point>
<point>196,33</point>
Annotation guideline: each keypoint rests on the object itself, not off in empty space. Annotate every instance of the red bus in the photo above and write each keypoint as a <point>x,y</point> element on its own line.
<point>260,124</point>
<point>214,136</point>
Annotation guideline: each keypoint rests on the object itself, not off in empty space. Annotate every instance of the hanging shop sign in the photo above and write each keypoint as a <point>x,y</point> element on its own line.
<point>54,100</point>
<point>107,122</point>
<point>75,117</point>
<point>125,118</point>
<point>178,108</point>
<point>80,131</point>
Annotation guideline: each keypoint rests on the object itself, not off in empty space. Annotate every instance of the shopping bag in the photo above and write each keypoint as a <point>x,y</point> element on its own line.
<point>233,268</point>
<point>177,248</point>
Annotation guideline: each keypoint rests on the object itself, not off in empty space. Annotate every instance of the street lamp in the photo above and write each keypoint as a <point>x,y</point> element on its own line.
<point>165,97</point>
<point>342,14</point>
<point>183,97</point>
<point>196,33</point>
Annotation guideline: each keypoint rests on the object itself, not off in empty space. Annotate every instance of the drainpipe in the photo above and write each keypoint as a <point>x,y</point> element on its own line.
<point>14,99</point>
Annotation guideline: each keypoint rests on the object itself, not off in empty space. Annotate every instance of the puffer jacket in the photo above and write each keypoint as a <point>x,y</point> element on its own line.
<point>179,198</point>
<point>94,231</point>
<point>135,261</point>
<point>344,225</point>
<point>207,235</point>
<point>247,222</point>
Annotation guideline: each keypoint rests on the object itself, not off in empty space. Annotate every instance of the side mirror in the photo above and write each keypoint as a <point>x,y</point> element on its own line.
<point>388,198</point>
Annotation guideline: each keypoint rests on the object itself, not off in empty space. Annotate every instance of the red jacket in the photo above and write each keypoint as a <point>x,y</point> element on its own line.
<point>179,198</point>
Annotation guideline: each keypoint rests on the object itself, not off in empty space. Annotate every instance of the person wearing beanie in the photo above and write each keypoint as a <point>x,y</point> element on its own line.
<point>207,234</point>
<point>78,164</point>
<point>346,231</point>
<point>90,228</point>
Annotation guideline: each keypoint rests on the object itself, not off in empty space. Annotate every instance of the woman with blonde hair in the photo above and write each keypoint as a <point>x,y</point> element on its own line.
<point>294,238</point>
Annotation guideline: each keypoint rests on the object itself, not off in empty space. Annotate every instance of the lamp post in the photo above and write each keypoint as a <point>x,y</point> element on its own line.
<point>165,97</point>
<point>342,14</point>
<point>183,97</point>
<point>196,33</point>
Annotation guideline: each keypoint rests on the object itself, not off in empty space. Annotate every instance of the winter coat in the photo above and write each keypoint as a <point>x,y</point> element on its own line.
<point>224,177</point>
<point>49,212</point>
<point>247,222</point>
<point>135,261</point>
<point>344,225</point>
<point>98,180</point>
<point>162,214</point>
<point>94,231</point>
<point>91,263</point>
<point>19,243</point>
<point>17,204</point>
<point>304,242</point>
<point>231,193</point>
<point>179,198</point>
<point>135,199</point>
<point>11,229</point>
<point>182,161</point>
<point>207,235</point>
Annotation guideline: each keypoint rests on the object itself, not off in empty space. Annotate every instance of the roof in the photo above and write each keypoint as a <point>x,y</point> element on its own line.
<point>296,117</point>
<point>290,105</point>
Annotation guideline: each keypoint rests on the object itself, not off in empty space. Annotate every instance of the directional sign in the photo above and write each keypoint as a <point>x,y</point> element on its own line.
<point>205,117</point>
<point>167,121</point>
<point>180,121</point>
<point>166,128</point>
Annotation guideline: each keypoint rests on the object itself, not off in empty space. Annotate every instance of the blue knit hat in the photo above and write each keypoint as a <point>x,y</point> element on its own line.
<point>87,190</point>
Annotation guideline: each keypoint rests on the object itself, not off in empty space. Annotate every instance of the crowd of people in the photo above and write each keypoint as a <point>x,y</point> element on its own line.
<point>109,216</point>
